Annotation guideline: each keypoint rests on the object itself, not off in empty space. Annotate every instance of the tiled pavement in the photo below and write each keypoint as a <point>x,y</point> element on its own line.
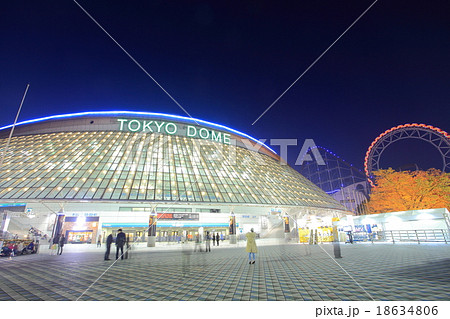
<point>281,272</point>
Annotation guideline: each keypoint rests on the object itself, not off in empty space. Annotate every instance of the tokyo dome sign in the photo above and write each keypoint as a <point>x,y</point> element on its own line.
<point>171,128</point>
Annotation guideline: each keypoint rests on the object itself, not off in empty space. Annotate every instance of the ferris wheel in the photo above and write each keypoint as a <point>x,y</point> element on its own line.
<point>433,135</point>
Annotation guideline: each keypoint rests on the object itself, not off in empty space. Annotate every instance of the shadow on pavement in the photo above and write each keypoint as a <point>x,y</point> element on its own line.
<point>436,271</point>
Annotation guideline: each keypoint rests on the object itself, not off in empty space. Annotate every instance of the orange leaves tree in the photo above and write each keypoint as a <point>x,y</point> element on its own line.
<point>399,191</point>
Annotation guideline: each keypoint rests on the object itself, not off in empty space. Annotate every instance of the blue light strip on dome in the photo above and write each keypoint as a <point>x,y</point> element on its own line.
<point>168,116</point>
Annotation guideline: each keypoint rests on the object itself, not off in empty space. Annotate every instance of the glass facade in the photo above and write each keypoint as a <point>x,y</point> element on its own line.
<point>131,166</point>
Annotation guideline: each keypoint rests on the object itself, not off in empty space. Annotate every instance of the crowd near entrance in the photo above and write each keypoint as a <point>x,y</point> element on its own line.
<point>188,234</point>
<point>169,235</point>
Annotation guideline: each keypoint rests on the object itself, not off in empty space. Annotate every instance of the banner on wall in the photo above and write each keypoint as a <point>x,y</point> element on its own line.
<point>232,225</point>
<point>286,224</point>
<point>152,219</point>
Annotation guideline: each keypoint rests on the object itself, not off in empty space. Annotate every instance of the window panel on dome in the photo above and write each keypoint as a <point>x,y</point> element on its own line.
<point>8,193</point>
<point>148,194</point>
<point>24,193</point>
<point>53,182</point>
<point>115,194</point>
<point>9,183</point>
<point>133,194</point>
<point>167,195</point>
<point>120,183</point>
<point>53,192</point>
<point>72,192</point>
<point>104,183</point>
<point>136,183</point>
<point>141,194</point>
<point>123,175</point>
<point>204,197</point>
<point>95,183</point>
<point>124,194</point>
<point>44,193</point>
<point>36,192</point>
<point>80,173</point>
<point>78,183</point>
<point>89,194</point>
<point>63,193</point>
<point>89,182</point>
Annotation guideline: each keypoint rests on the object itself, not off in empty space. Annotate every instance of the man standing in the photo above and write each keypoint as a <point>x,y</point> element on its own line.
<point>208,241</point>
<point>120,242</point>
<point>62,241</point>
<point>109,241</point>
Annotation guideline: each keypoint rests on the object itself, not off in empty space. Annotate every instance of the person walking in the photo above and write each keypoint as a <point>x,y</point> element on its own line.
<point>197,243</point>
<point>61,243</point>
<point>120,242</point>
<point>109,241</point>
<point>208,241</point>
<point>217,239</point>
<point>251,246</point>
<point>99,241</point>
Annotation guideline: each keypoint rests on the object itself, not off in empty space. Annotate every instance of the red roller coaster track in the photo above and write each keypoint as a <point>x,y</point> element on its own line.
<point>397,128</point>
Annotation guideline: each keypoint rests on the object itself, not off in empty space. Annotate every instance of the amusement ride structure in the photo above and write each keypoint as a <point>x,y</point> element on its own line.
<point>433,135</point>
<point>351,186</point>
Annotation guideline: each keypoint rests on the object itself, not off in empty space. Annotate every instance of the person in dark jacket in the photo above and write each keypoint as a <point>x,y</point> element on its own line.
<point>217,238</point>
<point>61,243</point>
<point>120,242</point>
<point>109,241</point>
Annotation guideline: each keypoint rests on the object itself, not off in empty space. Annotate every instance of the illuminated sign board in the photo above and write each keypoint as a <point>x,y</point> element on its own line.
<point>171,128</point>
<point>178,216</point>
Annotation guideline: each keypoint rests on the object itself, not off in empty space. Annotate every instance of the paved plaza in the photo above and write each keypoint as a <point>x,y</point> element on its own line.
<point>382,272</point>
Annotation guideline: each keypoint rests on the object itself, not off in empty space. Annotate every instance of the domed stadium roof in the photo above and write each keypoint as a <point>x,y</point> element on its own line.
<point>142,157</point>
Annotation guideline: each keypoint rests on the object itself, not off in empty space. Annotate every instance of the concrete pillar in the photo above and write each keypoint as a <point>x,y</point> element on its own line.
<point>232,229</point>
<point>336,244</point>
<point>287,228</point>
<point>151,239</point>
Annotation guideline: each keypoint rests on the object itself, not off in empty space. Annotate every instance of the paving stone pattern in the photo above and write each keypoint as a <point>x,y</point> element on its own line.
<point>282,272</point>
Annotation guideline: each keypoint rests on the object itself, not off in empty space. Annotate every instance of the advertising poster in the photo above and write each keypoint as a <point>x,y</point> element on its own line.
<point>286,224</point>
<point>232,225</point>
<point>152,225</point>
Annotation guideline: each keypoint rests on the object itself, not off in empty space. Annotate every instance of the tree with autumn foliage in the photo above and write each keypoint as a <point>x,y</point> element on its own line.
<point>409,190</point>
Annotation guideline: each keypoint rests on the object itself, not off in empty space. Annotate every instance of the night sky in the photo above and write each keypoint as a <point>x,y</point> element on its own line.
<point>227,61</point>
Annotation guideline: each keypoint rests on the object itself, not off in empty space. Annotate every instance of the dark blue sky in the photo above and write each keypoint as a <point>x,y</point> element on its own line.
<point>227,61</point>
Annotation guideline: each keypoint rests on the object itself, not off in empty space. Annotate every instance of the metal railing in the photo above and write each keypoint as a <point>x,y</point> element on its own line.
<point>422,235</point>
